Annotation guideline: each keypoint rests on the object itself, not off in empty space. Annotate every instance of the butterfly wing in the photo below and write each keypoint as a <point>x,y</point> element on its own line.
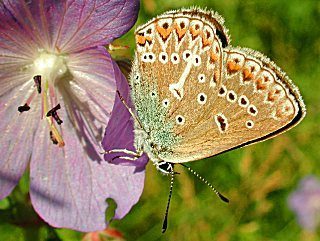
<point>210,98</point>
<point>168,49</point>
<point>254,102</point>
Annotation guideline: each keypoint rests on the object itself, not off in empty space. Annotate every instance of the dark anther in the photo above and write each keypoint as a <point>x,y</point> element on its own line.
<point>53,139</point>
<point>37,81</point>
<point>23,108</point>
<point>54,114</point>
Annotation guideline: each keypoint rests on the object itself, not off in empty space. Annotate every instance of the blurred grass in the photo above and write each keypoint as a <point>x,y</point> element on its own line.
<point>258,179</point>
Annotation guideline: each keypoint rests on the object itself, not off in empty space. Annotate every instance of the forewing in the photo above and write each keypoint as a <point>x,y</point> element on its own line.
<point>254,102</point>
<point>170,49</point>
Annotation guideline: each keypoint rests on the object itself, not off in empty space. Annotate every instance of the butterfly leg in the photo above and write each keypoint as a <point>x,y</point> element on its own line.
<point>134,155</point>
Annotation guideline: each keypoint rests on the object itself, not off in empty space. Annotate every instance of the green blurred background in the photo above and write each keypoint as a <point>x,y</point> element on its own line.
<point>257,179</point>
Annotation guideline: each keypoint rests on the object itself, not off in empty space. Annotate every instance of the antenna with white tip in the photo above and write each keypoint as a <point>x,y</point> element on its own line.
<point>223,198</point>
<point>165,220</point>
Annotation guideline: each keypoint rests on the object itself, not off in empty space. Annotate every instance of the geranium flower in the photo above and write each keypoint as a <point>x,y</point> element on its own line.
<point>57,89</point>
<point>305,202</point>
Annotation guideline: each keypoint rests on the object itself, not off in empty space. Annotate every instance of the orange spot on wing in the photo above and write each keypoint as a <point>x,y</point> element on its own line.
<point>194,32</point>
<point>233,67</point>
<point>271,96</point>
<point>260,84</point>
<point>279,113</point>
<point>247,74</point>
<point>141,40</point>
<point>213,57</point>
<point>180,31</point>
<point>164,33</point>
<point>205,41</point>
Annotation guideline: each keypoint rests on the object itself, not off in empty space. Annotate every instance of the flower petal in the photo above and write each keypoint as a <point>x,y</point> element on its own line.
<point>66,26</point>
<point>93,80</point>
<point>69,186</point>
<point>98,22</point>
<point>78,25</point>
<point>16,139</point>
<point>120,130</point>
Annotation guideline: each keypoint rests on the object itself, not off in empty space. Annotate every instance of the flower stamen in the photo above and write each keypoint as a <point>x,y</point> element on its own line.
<point>37,82</point>
<point>53,139</point>
<point>23,108</point>
<point>54,114</point>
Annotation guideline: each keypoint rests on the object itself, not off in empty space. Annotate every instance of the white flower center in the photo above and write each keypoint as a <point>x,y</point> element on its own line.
<point>50,66</point>
<point>47,69</point>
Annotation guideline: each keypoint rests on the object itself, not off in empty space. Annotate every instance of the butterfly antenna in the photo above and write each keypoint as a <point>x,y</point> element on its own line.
<point>165,220</point>
<point>223,198</point>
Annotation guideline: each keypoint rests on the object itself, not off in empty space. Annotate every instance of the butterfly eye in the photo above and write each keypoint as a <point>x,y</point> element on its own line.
<point>186,55</point>
<point>175,59</point>
<point>202,98</point>
<point>180,120</point>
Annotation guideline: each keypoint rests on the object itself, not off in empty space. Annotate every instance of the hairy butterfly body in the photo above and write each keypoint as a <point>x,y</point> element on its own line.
<point>195,96</point>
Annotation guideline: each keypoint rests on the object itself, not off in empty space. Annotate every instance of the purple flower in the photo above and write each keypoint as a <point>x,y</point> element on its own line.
<point>305,202</point>
<point>57,89</point>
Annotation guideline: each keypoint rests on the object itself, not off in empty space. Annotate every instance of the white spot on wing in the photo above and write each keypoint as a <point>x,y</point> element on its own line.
<point>202,98</point>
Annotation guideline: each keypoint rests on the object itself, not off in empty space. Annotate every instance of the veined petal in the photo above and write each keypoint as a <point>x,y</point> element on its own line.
<point>20,34</point>
<point>69,185</point>
<point>16,139</point>
<point>98,22</point>
<point>119,133</point>
<point>93,79</point>
<point>64,25</point>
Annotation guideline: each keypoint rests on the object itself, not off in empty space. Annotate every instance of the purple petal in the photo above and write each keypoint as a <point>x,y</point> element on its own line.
<point>305,203</point>
<point>69,190</point>
<point>16,137</point>
<point>94,81</point>
<point>64,26</point>
<point>96,22</point>
<point>120,130</point>
<point>69,186</point>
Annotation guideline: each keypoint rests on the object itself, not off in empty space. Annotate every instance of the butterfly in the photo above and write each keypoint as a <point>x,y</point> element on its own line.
<point>196,96</point>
